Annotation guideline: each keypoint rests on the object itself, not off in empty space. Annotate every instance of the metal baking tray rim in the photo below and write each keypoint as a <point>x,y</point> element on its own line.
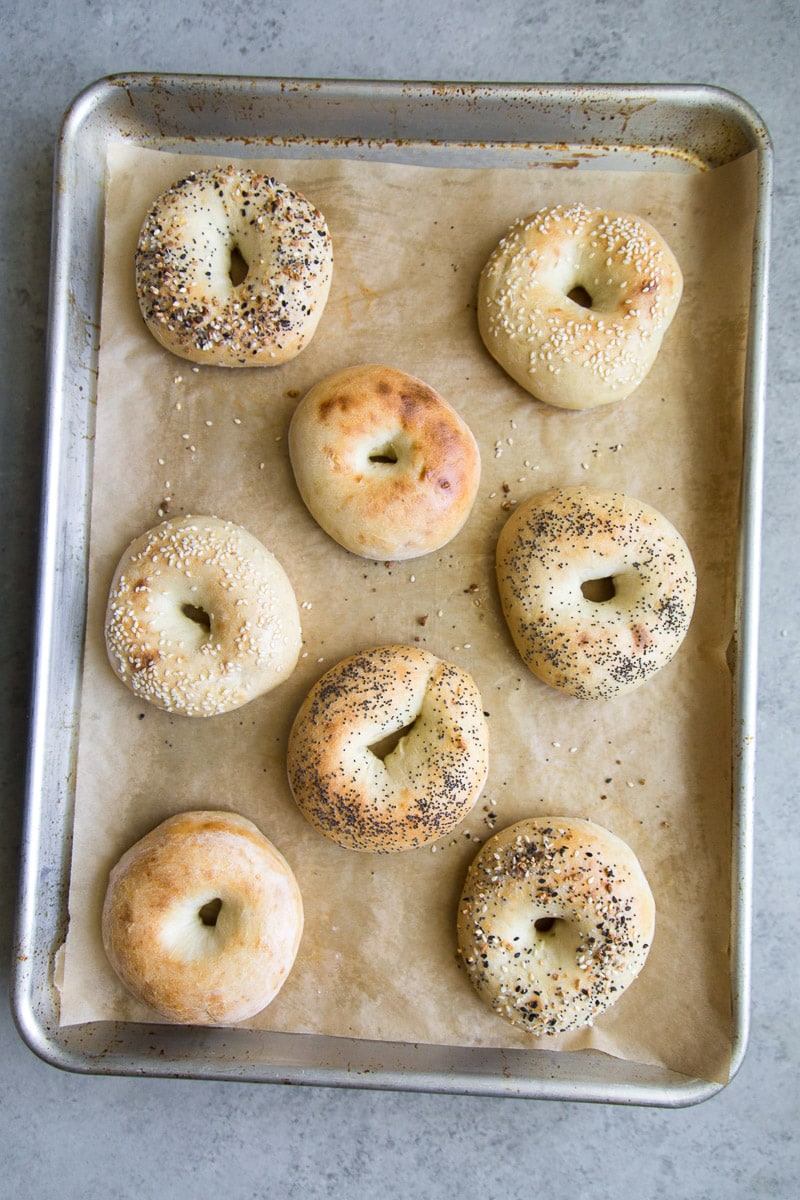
<point>71,356</point>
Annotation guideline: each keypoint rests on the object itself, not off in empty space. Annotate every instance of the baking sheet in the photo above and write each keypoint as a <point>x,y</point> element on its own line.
<point>403,292</point>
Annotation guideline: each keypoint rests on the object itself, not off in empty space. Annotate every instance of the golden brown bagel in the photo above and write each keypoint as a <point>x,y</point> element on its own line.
<point>597,588</point>
<point>574,303</point>
<point>184,269</point>
<point>354,792</point>
<point>202,919</point>
<point>201,617</point>
<point>555,921</point>
<point>383,463</point>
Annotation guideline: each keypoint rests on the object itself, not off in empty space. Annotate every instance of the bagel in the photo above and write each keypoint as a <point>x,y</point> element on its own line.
<point>555,922</point>
<point>202,919</point>
<point>201,617</point>
<point>383,463</point>
<point>363,796</point>
<point>192,240</point>
<point>574,303</point>
<point>597,589</point>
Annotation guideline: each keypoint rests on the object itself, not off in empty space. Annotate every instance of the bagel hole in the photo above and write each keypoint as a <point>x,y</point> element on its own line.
<point>599,590</point>
<point>385,454</point>
<point>198,615</point>
<point>579,295</point>
<point>546,924</point>
<point>237,268</point>
<point>384,747</point>
<point>209,912</point>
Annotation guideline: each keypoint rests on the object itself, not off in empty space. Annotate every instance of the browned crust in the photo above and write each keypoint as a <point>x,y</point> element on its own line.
<point>348,422</point>
<point>184,863</point>
<point>425,787</point>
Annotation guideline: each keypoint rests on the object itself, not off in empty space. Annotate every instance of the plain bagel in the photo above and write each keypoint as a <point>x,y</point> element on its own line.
<point>202,919</point>
<point>191,241</point>
<point>389,750</point>
<point>555,921</point>
<point>597,588</point>
<point>574,303</point>
<point>383,463</point>
<point>201,617</point>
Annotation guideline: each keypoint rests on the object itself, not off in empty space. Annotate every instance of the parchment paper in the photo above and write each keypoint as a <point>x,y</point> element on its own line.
<point>377,958</point>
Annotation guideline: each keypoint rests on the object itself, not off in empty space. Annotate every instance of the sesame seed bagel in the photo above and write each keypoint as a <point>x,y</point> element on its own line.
<point>389,750</point>
<point>555,921</point>
<point>574,303</point>
<point>383,463</point>
<point>191,241</point>
<point>597,588</point>
<point>201,617</point>
<point>202,919</point>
